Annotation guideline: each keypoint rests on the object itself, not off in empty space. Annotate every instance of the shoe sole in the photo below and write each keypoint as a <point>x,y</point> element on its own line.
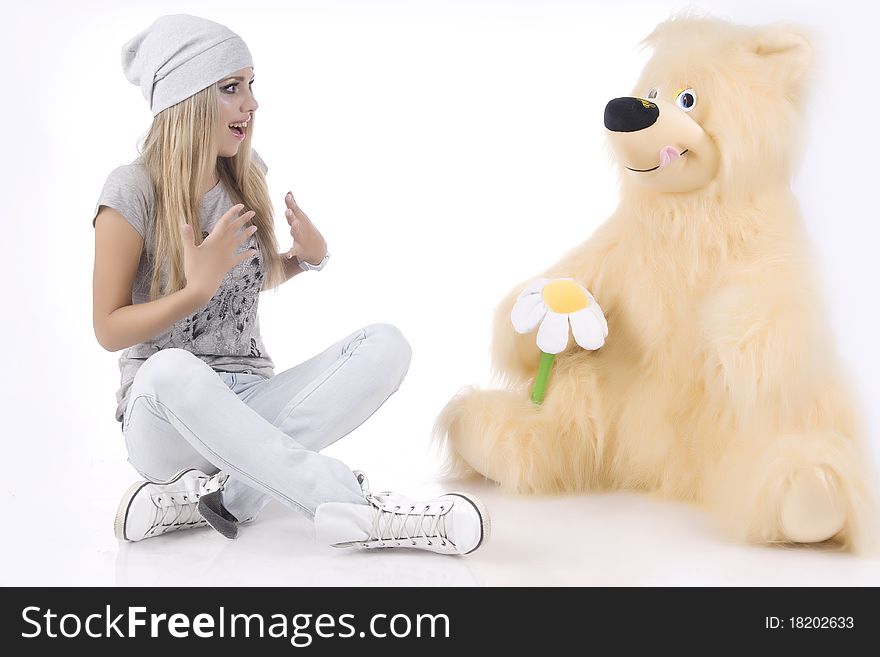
<point>485,522</point>
<point>125,503</point>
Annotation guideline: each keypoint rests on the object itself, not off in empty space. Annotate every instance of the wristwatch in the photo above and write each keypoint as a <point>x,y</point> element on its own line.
<point>307,266</point>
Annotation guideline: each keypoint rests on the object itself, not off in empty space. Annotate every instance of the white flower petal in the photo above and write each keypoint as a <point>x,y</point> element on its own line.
<point>527,313</point>
<point>535,286</point>
<point>588,331</point>
<point>600,316</point>
<point>553,334</point>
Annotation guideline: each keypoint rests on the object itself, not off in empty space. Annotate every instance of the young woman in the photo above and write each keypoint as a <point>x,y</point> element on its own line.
<point>184,244</point>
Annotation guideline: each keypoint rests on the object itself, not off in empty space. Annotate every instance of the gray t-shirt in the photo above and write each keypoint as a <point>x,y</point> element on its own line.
<point>225,333</point>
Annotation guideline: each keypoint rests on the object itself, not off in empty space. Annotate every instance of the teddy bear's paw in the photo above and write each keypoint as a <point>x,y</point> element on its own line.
<point>459,442</point>
<point>503,436</point>
<point>812,509</point>
<point>454,466</point>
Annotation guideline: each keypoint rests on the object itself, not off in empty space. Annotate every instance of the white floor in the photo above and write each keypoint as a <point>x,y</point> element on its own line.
<point>610,539</point>
<point>65,471</point>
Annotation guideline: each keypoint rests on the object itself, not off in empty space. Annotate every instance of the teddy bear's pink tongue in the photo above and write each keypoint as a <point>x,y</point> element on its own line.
<point>669,154</point>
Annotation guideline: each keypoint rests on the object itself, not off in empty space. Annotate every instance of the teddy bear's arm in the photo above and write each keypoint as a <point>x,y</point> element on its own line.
<point>763,345</point>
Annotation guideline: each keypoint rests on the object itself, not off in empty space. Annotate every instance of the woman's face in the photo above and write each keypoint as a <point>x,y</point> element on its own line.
<point>237,106</point>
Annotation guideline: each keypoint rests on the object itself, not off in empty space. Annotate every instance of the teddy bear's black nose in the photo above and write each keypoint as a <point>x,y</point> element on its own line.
<point>630,114</point>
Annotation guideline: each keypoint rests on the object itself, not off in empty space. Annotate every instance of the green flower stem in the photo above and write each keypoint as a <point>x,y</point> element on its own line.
<point>543,376</point>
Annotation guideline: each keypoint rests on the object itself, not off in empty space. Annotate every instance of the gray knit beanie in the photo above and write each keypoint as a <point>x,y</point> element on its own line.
<point>179,55</point>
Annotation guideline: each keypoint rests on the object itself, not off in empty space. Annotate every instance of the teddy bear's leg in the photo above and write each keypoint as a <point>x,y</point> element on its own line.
<point>525,447</point>
<point>805,488</point>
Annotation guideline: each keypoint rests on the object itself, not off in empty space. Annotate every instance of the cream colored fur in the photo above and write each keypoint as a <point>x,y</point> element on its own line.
<point>718,382</point>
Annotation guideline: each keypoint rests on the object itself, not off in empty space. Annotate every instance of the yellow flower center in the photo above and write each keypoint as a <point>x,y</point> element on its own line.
<point>564,296</point>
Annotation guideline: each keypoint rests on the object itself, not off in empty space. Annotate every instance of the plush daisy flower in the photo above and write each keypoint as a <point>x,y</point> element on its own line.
<point>556,304</point>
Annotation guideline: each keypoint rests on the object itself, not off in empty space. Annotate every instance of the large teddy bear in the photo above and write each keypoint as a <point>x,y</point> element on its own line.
<point>718,380</point>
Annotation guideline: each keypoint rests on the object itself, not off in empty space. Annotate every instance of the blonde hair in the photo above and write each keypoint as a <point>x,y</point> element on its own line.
<point>179,152</point>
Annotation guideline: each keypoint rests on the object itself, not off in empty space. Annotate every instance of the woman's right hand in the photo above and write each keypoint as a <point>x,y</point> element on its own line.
<point>205,265</point>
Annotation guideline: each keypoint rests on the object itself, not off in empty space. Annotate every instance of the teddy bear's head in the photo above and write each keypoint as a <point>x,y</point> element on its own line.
<point>717,106</point>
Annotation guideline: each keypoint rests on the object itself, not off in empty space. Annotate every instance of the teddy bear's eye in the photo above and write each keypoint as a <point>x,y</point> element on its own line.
<point>687,100</point>
<point>652,94</point>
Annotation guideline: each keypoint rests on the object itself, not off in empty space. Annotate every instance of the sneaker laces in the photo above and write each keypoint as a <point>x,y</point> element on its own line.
<point>411,523</point>
<point>181,509</point>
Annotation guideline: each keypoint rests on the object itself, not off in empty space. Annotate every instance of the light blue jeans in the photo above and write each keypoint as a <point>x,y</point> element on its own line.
<point>264,432</point>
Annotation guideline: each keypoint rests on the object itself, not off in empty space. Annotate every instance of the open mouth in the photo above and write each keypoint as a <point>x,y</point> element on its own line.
<point>237,132</point>
<point>682,154</point>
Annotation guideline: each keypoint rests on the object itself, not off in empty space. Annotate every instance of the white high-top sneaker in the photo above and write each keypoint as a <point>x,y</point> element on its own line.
<point>151,508</point>
<point>454,523</point>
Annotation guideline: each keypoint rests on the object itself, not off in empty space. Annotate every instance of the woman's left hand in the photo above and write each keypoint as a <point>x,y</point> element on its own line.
<point>308,243</point>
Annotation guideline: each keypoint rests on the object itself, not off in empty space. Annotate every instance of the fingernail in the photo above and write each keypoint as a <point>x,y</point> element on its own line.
<point>289,195</point>
<point>288,212</point>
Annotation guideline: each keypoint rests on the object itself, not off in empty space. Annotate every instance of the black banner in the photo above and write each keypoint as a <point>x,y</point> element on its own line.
<point>276,621</point>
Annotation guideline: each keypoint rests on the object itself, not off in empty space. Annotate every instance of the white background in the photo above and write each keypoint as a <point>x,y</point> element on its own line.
<point>447,151</point>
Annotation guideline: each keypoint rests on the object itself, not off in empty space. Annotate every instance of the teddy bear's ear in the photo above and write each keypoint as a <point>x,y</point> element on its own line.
<point>789,52</point>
